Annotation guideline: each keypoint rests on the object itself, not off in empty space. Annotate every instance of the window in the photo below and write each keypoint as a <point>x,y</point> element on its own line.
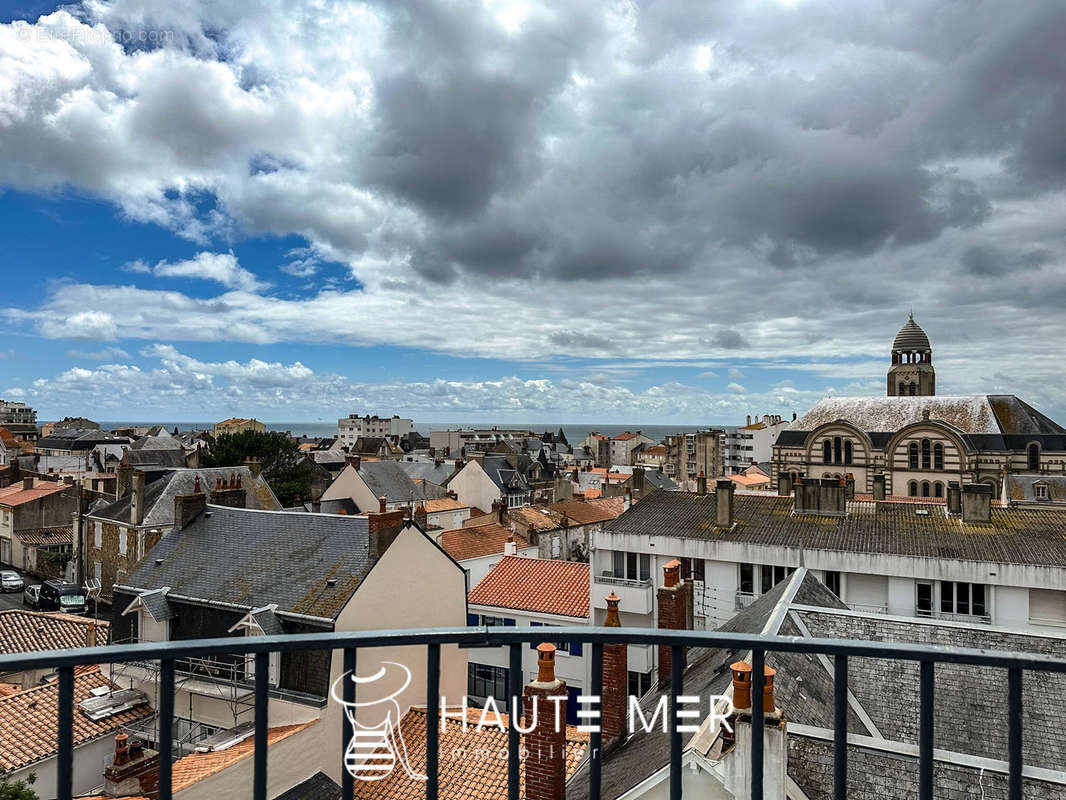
<point>484,680</point>
<point>1034,457</point>
<point>912,488</point>
<point>902,388</point>
<point>485,619</point>
<point>923,603</point>
<point>827,452</point>
<point>771,576</point>
<point>573,648</point>
<point>962,598</point>
<point>914,388</point>
<point>122,541</point>
<point>639,683</point>
<point>938,456</point>
<point>847,451</point>
<point>98,535</point>
<point>1040,491</point>
<point>632,566</point>
<point>925,488</point>
<point>1048,606</point>
<point>938,489</point>
<point>692,569</point>
<point>925,454</point>
<point>913,450</point>
<point>836,450</point>
<point>832,581</point>
<point>747,578</point>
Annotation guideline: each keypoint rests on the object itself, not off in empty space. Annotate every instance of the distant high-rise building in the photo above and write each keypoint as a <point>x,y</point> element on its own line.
<point>16,413</point>
<point>353,427</point>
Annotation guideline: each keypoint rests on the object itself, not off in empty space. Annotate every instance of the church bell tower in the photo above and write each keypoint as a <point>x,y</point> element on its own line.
<point>912,370</point>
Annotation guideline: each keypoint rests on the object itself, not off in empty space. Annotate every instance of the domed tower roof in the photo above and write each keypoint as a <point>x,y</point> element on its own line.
<point>911,339</point>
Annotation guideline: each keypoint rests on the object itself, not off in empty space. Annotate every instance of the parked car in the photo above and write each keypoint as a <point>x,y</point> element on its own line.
<point>10,581</point>
<point>59,595</point>
<point>32,596</point>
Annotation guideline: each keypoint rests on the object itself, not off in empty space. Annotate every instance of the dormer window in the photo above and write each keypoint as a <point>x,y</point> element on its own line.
<point>1040,491</point>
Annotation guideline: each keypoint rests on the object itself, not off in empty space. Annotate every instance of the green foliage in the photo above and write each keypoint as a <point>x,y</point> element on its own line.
<point>18,790</point>
<point>284,466</point>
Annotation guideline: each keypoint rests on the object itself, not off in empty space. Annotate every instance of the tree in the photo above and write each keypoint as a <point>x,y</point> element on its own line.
<point>285,468</point>
<point>18,790</point>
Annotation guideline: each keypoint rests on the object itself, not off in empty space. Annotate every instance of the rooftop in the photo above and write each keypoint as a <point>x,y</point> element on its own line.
<point>57,535</point>
<point>542,585</point>
<point>28,720</point>
<point>197,766</point>
<point>478,774</point>
<point>443,504</point>
<point>22,631</point>
<point>15,495</point>
<point>1030,535</point>
<point>478,541</point>
<point>587,512</point>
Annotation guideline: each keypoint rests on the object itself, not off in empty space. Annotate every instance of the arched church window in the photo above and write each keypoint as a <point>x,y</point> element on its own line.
<point>938,489</point>
<point>938,457</point>
<point>836,450</point>
<point>914,455</point>
<point>847,451</point>
<point>925,488</point>
<point>827,452</point>
<point>925,453</point>
<point>912,488</point>
<point>914,388</point>
<point>902,388</point>
<point>1034,457</point>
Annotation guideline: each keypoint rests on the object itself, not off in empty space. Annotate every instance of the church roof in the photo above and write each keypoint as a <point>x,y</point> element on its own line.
<point>1001,414</point>
<point>911,338</point>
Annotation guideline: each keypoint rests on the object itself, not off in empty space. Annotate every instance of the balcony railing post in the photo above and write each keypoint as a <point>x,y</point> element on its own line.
<point>758,681</point>
<point>840,728</point>
<point>514,680</point>
<point>166,727</point>
<point>65,735</point>
<point>925,731</point>
<point>348,695</point>
<point>677,666</point>
<point>262,698</point>
<point>1014,733</point>
<point>596,737</point>
<point>432,719</point>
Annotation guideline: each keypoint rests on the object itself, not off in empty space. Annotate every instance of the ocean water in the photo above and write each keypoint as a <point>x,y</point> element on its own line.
<point>575,433</point>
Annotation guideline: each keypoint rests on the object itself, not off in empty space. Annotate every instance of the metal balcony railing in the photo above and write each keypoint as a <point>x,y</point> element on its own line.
<point>517,640</point>
<point>611,580</point>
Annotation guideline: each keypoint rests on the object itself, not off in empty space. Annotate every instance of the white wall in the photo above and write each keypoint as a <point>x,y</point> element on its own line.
<point>474,487</point>
<point>89,762</point>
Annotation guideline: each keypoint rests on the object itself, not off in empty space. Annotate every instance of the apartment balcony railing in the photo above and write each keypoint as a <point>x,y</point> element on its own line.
<point>867,608</point>
<point>954,617</point>
<point>611,580</point>
<point>517,640</point>
<point>745,599</point>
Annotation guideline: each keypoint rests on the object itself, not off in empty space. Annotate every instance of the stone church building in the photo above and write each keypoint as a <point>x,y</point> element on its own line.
<point>917,441</point>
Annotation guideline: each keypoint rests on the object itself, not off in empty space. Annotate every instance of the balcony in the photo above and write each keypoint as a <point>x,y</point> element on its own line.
<point>982,619</point>
<point>636,595</point>
<point>517,640</point>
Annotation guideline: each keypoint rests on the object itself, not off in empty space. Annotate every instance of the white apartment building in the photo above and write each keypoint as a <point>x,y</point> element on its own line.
<point>16,413</point>
<point>353,427</point>
<point>753,441</point>
<point>963,561</point>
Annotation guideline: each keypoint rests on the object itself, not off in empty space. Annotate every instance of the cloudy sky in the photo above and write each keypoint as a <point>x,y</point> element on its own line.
<point>500,210</point>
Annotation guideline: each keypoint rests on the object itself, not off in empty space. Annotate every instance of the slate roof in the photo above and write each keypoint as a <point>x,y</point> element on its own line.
<point>79,440</point>
<point>1021,489</point>
<point>159,495</point>
<point>158,458</point>
<point>995,414</point>
<point>477,774</point>
<point>22,631</point>
<point>429,471</point>
<point>28,720</point>
<point>477,541</point>
<point>256,558</point>
<point>542,585</point>
<point>318,787</point>
<point>156,443</point>
<point>502,474</point>
<point>1025,535</point>
<point>389,479</point>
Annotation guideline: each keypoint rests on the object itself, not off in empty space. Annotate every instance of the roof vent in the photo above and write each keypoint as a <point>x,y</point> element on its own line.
<point>922,512</point>
<point>331,582</point>
<point>158,562</point>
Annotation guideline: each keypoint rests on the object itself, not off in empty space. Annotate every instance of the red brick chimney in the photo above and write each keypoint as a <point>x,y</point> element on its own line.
<point>545,764</point>
<point>675,604</point>
<point>134,770</point>
<point>615,677</point>
<point>382,503</point>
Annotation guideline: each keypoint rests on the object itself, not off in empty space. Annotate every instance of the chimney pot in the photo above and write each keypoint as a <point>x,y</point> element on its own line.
<point>724,503</point>
<point>122,753</point>
<point>545,663</point>
<point>382,502</point>
<point>27,483</point>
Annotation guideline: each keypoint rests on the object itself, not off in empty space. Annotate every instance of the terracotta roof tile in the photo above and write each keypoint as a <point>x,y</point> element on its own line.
<point>197,766</point>
<point>443,504</point>
<point>28,720</point>
<point>470,767</point>
<point>536,584</point>
<point>15,495</point>
<point>24,631</point>
<point>592,494</point>
<point>482,540</point>
<point>537,518</point>
<point>57,535</point>
<point>585,512</point>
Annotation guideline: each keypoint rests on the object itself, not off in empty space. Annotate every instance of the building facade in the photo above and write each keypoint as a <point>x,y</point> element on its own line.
<point>233,425</point>
<point>751,443</point>
<point>18,413</point>
<point>353,427</point>
<point>918,441</point>
<point>688,455</point>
